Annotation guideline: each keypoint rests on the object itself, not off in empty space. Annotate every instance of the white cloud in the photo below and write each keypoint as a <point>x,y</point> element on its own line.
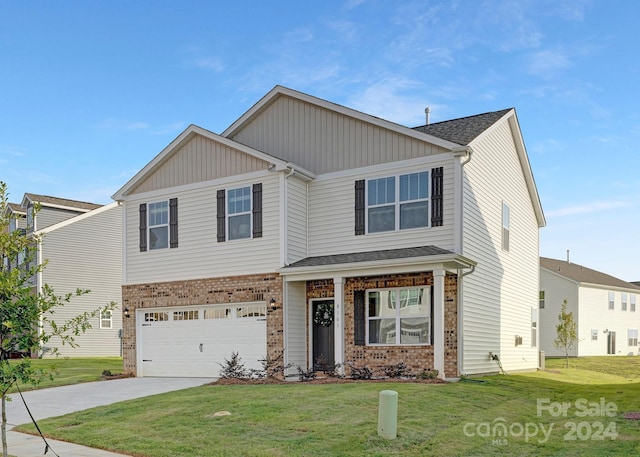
<point>210,63</point>
<point>386,99</point>
<point>13,151</point>
<point>547,63</point>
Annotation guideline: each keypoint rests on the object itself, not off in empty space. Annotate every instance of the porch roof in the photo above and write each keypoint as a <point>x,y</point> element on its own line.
<point>376,262</point>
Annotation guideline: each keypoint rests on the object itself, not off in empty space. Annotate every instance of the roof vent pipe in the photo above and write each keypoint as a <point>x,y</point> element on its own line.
<point>568,261</point>
<point>427,111</point>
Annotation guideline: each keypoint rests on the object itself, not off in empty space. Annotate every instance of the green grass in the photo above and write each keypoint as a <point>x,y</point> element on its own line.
<point>341,419</point>
<point>74,370</point>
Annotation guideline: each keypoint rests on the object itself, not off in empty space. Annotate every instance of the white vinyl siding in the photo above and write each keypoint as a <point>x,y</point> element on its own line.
<point>324,141</point>
<point>331,213</point>
<point>296,325</point>
<point>498,296</point>
<point>87,254</point>
<point>200,255</point>
<point>296,236</point>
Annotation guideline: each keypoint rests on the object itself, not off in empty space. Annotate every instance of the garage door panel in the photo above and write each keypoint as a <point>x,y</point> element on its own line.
<point>197,346</point>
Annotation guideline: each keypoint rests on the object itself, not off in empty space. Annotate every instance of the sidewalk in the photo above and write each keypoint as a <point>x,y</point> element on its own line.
<point>58,401</point>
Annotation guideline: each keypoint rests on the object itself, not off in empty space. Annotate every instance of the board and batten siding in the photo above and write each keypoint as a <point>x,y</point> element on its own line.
<point>198,254</point>
<point>499,296</point>
<point>200,159</point>
<point>87,254</point>
<point>296,230</point>
<point>331,212</point>
<point>296,325</point>
<point>324,141</point>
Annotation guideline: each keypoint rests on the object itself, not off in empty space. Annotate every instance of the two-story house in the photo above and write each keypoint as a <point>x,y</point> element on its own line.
<point>605,309</point>
<point>313,230</point>
<point>81,244</point>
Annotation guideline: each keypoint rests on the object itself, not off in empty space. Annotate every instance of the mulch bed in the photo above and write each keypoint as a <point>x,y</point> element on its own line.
<point>319,380</point>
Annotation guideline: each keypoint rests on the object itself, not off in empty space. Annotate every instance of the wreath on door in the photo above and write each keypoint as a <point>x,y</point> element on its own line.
<point>324,314</point>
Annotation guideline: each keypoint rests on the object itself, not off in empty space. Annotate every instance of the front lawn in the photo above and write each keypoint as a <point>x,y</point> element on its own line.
<point>73,370</point>
<point>523,415</point>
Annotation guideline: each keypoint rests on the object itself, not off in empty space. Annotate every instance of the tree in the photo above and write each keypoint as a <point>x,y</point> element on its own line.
<point>566,331</point>
<point>26,314</point>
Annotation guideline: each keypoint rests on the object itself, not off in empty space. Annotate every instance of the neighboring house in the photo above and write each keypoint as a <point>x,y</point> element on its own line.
<point>17,221</point>
<point>317,231</point>
<point>82,245</point>
<point>604,308</point>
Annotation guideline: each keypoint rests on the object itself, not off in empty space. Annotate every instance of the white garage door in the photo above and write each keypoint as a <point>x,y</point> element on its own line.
<point>191,341</point>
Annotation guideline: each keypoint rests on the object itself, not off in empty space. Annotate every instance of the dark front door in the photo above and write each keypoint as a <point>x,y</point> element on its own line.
<point>322,316</point>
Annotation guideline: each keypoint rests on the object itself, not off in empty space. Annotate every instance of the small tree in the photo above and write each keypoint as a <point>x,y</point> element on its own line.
<point>26,314</point>
<point>566,331</point>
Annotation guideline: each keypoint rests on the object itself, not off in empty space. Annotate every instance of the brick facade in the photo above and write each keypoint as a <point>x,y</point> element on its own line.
<point>234,289</point>
<point>416,358</point>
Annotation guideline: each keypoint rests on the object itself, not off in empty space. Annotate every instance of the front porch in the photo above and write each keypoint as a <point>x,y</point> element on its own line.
<point>382,315</point>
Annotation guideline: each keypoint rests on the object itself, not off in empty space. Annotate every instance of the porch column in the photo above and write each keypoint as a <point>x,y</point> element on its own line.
<point>338,322</point>
<point>438,322</point>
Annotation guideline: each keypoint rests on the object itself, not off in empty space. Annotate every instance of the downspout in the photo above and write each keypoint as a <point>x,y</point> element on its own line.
<point>467,151</point>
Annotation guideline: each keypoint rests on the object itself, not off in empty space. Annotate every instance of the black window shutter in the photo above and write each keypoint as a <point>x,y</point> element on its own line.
<point>173,223</point>
<point>222,235</point>
<point>436,197</point>
<point>143,227</point>
<point>257,210</point>
<point>360,207</point>
<point>358,318</point>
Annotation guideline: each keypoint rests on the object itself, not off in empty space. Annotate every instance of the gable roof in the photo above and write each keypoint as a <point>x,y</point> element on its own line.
<point>279,91</point>
<point>464,130</point>
<point>186,136</point>
<point>15,208</point>
<point>55,202</point>
<point>583,274</point>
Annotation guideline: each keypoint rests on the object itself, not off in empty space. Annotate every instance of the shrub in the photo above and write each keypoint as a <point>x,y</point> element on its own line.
<point>306,375</point>
<point>360,373</point>
<point>233,368</point>
<point>322,364</point>
<point>399,370</point>
<point>272,367</point>
<point>428,374</point>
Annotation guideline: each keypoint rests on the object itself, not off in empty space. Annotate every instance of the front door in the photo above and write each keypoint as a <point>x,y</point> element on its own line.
<point>611,343</point>
<point>322,316</point>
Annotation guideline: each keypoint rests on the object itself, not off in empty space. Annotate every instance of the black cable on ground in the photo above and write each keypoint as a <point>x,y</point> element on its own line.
<point>47,447</point>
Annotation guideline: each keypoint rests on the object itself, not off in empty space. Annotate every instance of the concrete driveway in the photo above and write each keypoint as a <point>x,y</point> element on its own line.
<point>58,401</point>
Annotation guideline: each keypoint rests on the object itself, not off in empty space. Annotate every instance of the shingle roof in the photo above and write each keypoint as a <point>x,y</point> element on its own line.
<point>465,129</point>
<point>46,199</point>
<point>16,208</point>
<point>369,256</point>
<point>580,273</point>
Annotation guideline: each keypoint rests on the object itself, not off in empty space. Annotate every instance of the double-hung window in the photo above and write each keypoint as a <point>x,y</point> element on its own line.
<point>239,213</point>
<point>106,319</point>
<point>632,335</point>
<point>159,225</point>
<point>505,226</point>
<point>612,300</point>
<point>623,302</point>
<point>399,316</point>
<point>398,202</point>
<point>632,306</point>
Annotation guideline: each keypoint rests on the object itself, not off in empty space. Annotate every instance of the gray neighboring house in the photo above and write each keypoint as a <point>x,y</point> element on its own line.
<point>82,244</point>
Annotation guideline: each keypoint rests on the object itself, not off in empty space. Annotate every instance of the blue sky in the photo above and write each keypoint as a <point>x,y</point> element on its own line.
<point>91,91</point>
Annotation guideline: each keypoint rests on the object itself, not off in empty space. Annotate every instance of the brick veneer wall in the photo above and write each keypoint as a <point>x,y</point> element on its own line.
<point>415,357</point>
<point>233,289</point>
